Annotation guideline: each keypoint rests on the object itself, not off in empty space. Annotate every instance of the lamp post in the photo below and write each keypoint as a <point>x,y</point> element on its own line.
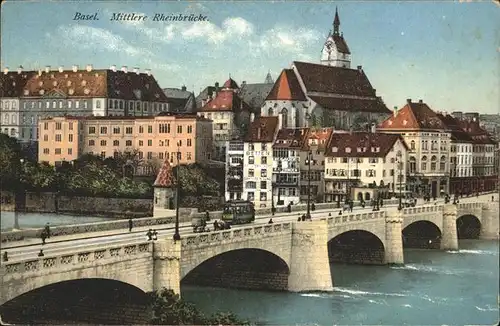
<point>348,188</point>
<point>18,197</point>
<point>278,170</point>
<point>177,236</point>
<point>308,162</point>
<point>400,168</point>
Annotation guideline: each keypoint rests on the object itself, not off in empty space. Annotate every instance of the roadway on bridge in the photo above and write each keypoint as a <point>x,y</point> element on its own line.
<point>77,243</point>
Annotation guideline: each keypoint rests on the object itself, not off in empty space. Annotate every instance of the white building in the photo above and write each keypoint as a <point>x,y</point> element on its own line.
<point>258,161</point>
<point>234,170</point>
<point>335,51</point>
<point>357,163</point>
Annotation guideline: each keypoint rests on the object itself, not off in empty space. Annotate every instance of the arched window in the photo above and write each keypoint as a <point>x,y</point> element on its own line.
<point>367,196</point>
<point>270,112</point>
<point>360,196</point>
<point>12,132</point>
<point>442,163</point>
<point>413,164</point>
<point>412,145</point>
<point>433,162</point>
<point>13,119</point>
<point>424,163</point>
<point>284,116</point>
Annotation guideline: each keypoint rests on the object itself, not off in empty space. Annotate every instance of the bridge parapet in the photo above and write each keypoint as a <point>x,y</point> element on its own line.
<point>76,259</point>
<point>343,219</point>
<point>235,235</point>
<point>422,210</point>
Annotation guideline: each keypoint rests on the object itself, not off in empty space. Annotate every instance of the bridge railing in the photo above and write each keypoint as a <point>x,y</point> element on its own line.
<point>340,219</point>
<point>469,206</point>
<point>422,209</point>
<point>75,259</point>
<point>236,234</point>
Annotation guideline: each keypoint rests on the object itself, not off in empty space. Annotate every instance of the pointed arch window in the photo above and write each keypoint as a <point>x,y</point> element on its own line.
<point>270,112</point>
<point>284,116</point>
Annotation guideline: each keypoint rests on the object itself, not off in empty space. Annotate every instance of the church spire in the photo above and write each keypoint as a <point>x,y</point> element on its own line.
<point>336,23</point>
<point>269,79</point>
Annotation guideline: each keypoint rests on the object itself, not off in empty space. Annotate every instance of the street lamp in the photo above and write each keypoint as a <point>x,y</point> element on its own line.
<point>400,167</point>
<point>278,170</point>
<point>308,162</point>
<point>18,197</point>
<point>177,236</point>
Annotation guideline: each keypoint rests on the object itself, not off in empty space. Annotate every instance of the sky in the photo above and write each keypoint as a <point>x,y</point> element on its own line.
<point>445,53</point>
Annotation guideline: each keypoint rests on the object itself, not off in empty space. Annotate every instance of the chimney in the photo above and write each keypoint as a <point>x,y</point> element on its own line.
<point>420,101</point>
<point>395,111</point>
<point>243,82</point>
<point>136,70</point>
<point>89,68</point>
<point>373,128</point>
<point>360,68</point>
<point>259,132</point>
<point>408,100</point>
<point>6,70</point>
<point>39,72</point>
<point>113,67</point>
<point>75,68</point>
<point>20,69</point>
<point>124,69</point>
<point>183,88</point>
<point>216,85</point>
<point>47,69</point>
<point>148,72</point>
<point>252,117</point>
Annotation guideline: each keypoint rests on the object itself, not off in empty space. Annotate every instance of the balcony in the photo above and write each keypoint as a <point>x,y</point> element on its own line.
<point>286,170</point>
<point>235,185</point>
<point>287,183</point>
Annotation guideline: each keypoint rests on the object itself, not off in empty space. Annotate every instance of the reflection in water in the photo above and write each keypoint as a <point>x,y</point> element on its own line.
<point>36,220</point>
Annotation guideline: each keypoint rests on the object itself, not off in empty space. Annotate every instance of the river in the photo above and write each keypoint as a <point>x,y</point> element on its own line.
<point>37,220</point>
<point>433,288</point>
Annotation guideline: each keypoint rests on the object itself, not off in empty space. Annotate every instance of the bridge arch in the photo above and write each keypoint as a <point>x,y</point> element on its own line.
<point>356,247</point>
<point>468,227</point>
<point>88,300</point>
<point>248,268</point>
<point>422,234</point>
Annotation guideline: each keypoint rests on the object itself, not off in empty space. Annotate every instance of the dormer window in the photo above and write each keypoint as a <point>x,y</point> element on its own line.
<point>347,149</point>
<point>26,92</point>
<point>360,150</point>
<point>334,149</point>
<point>84,82</point>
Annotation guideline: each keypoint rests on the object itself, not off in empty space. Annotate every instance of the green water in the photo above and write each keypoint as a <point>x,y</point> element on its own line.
<point>433,288</point>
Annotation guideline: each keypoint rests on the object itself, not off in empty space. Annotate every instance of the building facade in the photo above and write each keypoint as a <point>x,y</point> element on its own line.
<point>76,92</point>
<point>359,165</point>
<point>234,170</point>
<point>156,138</point>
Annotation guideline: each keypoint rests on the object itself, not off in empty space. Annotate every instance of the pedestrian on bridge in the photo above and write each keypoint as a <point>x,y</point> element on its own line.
<point>5,256</point>
<point>492,198</point>
<point>155,235</point>
<point>47,229</point>
<point>270,221</point>
<point>130,224</point>
<point>150,234</point>
<point>40,254</point>
<point>43,236</point>
<point>207,216</point>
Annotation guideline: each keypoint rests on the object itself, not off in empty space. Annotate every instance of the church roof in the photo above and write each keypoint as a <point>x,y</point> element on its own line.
<point>230,83</point>
<point>341,44</point>
<point>269,79</point>
<point>335,80</point>
<point>226,100</point>
<point>336,20</point>
<point>165,177</point>
<point>413,116</point>
<point>375,105</point>
<point>255,94</point>
<point>287,87</point>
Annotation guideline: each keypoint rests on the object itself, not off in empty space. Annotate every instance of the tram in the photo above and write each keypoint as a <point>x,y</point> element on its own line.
<point>238,212</point>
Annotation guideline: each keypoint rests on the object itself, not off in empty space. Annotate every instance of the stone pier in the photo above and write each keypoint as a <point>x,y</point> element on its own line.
<point>167,266</point>
<point>449,239</point>
<point>309,263</point>
<point>393,237</point>
<point>490,221</point>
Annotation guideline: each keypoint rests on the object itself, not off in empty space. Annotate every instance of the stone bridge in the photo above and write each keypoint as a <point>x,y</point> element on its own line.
<point>292,256</point>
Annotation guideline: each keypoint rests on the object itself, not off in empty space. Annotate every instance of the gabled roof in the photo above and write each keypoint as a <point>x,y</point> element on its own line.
<point>478,135</point>
<point>226,100</point>
<point>319,136</point>
<point>205,94</point>
<point>362,144</point>
<point>413,116</point>
<point>255,94</point>
<point>453,125</point>
<point>230,83</point>
<point>287,88</point>
<point>375,105</point>
<point>262,129</point>
<point>165,177</point>
<point>291,138</point>
<point>334,80</point>
<point>104,83</point>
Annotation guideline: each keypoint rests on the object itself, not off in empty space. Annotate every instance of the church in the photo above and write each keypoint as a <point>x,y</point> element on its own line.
<point>326,94</point>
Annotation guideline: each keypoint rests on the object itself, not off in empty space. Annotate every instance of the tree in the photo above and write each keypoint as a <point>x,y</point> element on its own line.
<point>10,162</point>
<point>128,158</point>
<point>194,181</point>
<point>38,177</point>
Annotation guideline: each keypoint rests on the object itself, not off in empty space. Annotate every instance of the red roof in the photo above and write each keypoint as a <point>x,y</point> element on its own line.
<point>453,125</point>
<point>287,87</point>
<point>362,144</point>
<point>413,116</point>
<point>478,135</point>
<point>334,80</point>
<point>82,83</point>
<point>375,105</point>
<point>291,138</point>
<point>321,135</point>
<point>262,130</point>
<point>165,177</point>
<point>230,83</point>
<point>226,100</point>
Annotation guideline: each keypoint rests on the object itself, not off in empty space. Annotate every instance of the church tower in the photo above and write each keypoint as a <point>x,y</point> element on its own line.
<point>335,51</point>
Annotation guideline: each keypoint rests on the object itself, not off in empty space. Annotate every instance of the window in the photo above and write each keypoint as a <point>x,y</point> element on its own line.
<point>284,118</point>
<point>179,129</point>
<point>128,130</point>
<point>46,151</point>
<point>116,143</point>
<point>91,142</point>
<point>263,196</point>
<point>103,143</point>
<point>188,142</point>
<point>70,126</point>
<point>150,142</point>
<point>190,129</point>
<point>164,128</point>
<point>58,137</point>
<point>251,173</point>
<point>70,151</point>
<point>98,104</point>
<point>104,130</point>
<point>263,185</point>
<point>45,126</point>
<point>251,196</point>
<point>141,143</point>
<point>251,160</point>
<point>149,155</point>
<point>128,143</point>
<point>442,163</point>
<point>263,160</point>
<point>57,151</point>
<point>188,155</point>
<point>263,173</point>
<point>70,138</point>
<point>179,156</point>
<point>58,126</point>
<point>91,130</point>
<point>116,130</point>
<point>46,138</point>
<point>103,154</point>
<point>150,129</point>
<point>141,129</point>
<point>413,164</point>
<point>433,163</point>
